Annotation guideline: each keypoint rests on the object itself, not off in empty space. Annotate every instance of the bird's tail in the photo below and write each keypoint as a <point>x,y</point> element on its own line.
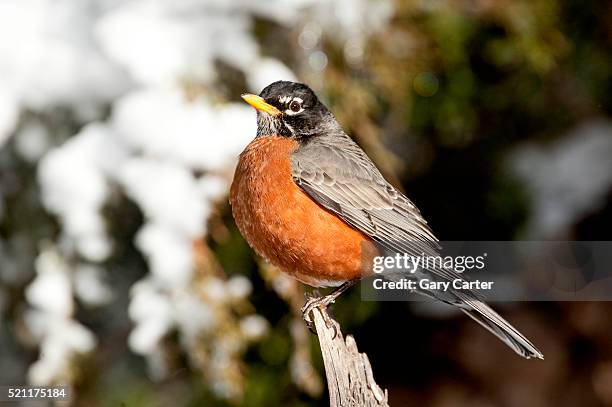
<point>494,323</point>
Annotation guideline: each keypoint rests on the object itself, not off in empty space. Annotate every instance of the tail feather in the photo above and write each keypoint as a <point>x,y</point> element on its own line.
<point>494,323</point>
<point>473,305</point>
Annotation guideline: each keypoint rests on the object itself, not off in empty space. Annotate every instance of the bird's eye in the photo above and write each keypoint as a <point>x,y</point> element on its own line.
<point>295,106</point>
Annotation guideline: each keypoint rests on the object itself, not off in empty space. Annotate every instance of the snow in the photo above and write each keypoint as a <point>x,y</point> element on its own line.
<point>121,70</point>
<point>63,339</point>
<point>239,287</point>
<point>51,290</point>
<point>55,60</point>
<point>74,187</point>
<point>169,254</point>
<point>151,44</point>
<point>253,327</point>
<point>90,286</point>
<point>161,122</point>
<point>152,312</point>
<point>50,321</point>
<point>167,193</point>
<point>193,316</point>
<point>265,72</point>
<point>568,179</point>
<point>32,141</point>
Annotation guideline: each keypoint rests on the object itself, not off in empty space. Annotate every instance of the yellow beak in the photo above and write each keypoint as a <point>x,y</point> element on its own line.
<point>260,104</point>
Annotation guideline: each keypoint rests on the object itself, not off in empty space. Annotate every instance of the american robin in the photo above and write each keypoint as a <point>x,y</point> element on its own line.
<point>310,201</point>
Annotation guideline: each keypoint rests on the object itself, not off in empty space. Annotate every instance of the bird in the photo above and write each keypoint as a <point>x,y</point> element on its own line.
<point>309,200</point>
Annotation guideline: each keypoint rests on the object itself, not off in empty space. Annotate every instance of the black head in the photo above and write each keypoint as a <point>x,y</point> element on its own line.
<point>290,109</point>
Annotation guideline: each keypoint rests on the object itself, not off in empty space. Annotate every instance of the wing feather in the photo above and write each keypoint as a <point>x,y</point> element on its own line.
<point>341,178</point>
<point>338,175</point>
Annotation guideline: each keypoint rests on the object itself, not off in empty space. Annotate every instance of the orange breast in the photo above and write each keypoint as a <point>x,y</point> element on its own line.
<point>284,225</point>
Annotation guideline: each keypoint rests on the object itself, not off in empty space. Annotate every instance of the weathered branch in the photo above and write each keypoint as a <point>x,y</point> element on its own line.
<point>349,375</point>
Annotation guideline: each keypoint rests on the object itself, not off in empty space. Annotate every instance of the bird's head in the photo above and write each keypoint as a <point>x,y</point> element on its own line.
<point>289,109</point>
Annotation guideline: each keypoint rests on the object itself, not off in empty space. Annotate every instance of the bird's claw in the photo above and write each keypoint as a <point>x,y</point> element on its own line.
<point>320,302</point>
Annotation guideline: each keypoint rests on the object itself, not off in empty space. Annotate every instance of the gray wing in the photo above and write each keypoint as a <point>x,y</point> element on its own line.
<point>338,175</point>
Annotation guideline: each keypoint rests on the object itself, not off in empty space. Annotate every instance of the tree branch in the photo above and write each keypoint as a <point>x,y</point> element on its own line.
<point>349,375</point>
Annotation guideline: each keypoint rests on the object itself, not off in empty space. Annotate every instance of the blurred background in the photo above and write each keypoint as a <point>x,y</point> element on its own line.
<point>123,274</point>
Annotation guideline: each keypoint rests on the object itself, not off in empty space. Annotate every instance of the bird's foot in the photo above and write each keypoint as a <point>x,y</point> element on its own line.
<point>313,301</point>
<point>316,301</point>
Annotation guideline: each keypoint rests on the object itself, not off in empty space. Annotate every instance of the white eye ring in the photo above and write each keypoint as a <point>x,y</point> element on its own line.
<point>295,106</point>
